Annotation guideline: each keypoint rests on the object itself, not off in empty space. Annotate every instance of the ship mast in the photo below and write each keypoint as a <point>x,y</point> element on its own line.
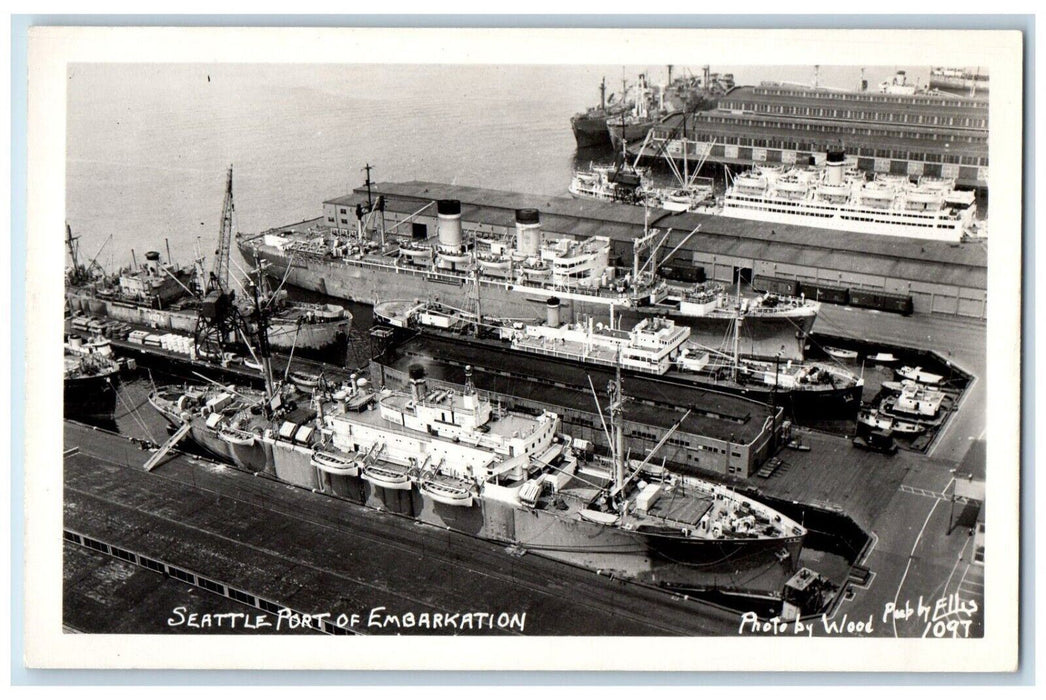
<point>603,94</point>
<point>220,268</point>
<point>618,426</point>
<point>70,242</point>
<point>737,325</point>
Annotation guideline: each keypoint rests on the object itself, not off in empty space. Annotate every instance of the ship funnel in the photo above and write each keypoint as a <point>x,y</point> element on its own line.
<point>836,160</point>
<point>468,398</point>
<point>528,232</point>
<point>153,256</point>
<point>448,227</point>
<point>552,309</point>
<point>76,341</point>
<point>417,382</point>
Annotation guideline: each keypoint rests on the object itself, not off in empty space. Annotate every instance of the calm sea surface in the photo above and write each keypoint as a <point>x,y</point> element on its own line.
<point>148,145</point>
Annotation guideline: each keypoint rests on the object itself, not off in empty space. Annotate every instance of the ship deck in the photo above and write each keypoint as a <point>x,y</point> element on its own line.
<point>313,553</point>
<point>561,384</point>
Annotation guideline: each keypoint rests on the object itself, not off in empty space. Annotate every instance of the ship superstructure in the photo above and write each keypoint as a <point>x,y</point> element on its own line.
<point>842,199</point>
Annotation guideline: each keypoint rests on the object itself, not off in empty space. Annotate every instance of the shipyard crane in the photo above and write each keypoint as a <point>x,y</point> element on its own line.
<point>220,267</point>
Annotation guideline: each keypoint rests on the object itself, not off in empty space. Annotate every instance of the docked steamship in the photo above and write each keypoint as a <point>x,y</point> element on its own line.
<point>454,460</point>
<point>514,276</point>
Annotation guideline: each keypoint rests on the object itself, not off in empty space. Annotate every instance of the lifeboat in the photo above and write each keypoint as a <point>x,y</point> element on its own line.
<point>235,436</point>
<point>450,492</point>
<point>335,464</point>
<point>493,262</point>
<point>305,380</point>
<point>415,251</point>
<point>456,258</point>
<point>386,476</point>
<point>537,270</point>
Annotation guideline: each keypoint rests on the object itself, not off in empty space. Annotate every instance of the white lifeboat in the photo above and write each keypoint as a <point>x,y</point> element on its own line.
<point>335,464</point>
<point>447,492</point>
<point>386,476</point>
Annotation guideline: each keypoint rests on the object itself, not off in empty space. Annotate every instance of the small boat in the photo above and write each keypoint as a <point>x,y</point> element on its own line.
<point>335,464</point>
<point>874,419</point>
<point>906,428</point>
<point>386,476</point>
<point>253,364</point>
<point>235,436</point>
<point>841,353</point>
<point>883,358</point>
<point>895,387</point>
<point>443,491</point>
<point>917,374</point>
<point>305,380</point>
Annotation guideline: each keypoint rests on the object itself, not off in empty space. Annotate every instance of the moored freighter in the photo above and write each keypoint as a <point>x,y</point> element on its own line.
<point>454,460</point>
<point>514,276</point>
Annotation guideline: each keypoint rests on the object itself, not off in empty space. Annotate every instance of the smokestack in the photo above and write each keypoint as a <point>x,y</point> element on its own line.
<point>448,226</point>
<point>417,382</point>
<point>528,232</point>
<point>836,159</point>
<point>552,312</point>
<point>468,397</point>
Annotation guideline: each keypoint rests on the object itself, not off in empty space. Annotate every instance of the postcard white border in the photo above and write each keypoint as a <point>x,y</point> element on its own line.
<point>51,48</point>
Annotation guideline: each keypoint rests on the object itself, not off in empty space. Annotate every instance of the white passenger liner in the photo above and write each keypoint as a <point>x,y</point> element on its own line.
<point>832,198</point>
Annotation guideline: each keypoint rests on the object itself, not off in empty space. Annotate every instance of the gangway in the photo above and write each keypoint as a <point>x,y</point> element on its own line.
<point>166,447</point>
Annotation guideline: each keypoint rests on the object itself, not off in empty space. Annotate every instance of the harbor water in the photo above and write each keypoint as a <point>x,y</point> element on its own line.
<point>148,145</point>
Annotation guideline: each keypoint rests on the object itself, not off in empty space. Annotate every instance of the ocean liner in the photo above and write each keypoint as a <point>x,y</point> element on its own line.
<point>844,200</point>
<point>514,276</point>
<point>455,460</point>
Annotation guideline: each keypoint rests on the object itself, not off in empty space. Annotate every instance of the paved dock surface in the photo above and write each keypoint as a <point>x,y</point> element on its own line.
<point>314,553</point>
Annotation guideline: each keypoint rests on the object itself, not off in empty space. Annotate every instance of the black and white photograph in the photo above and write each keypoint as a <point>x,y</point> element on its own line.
<point>692,343</point>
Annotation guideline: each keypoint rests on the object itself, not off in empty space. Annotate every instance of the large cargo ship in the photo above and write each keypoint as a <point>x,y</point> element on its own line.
<point>455,460</point>
<point>655,348</point>
<point>842,199</point>
<point>629,120</point>
<point>157,296</point>
<point>960,81</point>
<point>514,276</point>
<point>162,296</point>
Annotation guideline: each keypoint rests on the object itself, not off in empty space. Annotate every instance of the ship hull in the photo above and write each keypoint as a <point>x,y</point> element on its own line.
<point>675,562</point>
<point>283,334</point>
<point>90,397</point>
<point>590,132</point>
<point>633,133</point>
<point>855,221</point>
<point>762,335</point>
<point>747,566</point>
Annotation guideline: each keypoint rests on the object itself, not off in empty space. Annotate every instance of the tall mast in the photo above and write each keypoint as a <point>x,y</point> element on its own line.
<point>220,269</point>
<point>617,423</point>
<point>603,94</point>
<point>370,201</point>
<point>70,242</point>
